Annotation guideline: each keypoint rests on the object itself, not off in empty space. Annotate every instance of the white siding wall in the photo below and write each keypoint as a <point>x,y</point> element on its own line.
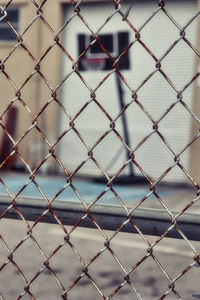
<point>156,95</point>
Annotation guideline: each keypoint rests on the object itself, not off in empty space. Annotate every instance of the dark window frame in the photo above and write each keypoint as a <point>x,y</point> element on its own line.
<point>6,33</point>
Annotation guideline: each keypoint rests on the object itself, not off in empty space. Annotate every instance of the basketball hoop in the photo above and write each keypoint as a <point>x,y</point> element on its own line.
<point>93,63</point>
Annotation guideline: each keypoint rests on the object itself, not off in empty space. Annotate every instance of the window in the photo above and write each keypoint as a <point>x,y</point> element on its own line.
<point>6,33</point>
<point>115,44</point>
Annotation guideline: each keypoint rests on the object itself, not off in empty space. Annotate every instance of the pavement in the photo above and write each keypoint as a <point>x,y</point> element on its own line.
<point>148,279</point>
<point>47,240</point>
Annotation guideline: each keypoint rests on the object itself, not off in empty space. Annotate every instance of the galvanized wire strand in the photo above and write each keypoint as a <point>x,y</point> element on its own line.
<point>72,121</point>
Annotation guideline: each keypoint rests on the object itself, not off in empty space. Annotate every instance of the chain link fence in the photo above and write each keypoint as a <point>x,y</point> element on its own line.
<point>61,70</point>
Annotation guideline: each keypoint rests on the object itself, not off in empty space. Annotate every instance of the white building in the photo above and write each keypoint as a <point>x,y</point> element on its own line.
<point>156,95</point>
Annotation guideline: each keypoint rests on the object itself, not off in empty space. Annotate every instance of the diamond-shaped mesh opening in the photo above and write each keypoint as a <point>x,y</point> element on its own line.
<point>111,150</point>
<point>11,117</point>
<point>71,84</point>
<point>24,258</point>
<point>43,235</point>
<point>179,261</point>
<point>165,95</point>
<point>177,15</point>
<point>16,287</point>
<point>138,19</point>
<point>39,147</point>
<point>13,63</point>
<point>84,284</point>
<point>8,93</point>
<point>12,234</point>
<point>93,240</point>
<point>43,123</point>
<point>192,285</point>
<point>172,119</point>
<point>65,256</point>
<point>52,51</point>
<point>93,114</point>
<point>159,35</point>
<point>110,101</point>
<point>107,279</point>
<point>36,25</point>
<point>142,67</point>
<point>174,57</point>
<point>48,286</point>
<point>149,148</point>
<point>151,282</point>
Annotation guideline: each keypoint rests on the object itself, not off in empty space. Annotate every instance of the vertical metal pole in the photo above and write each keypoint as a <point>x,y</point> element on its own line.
<point>194,152</point>
<point>124,120</point>
<point>195,147</point>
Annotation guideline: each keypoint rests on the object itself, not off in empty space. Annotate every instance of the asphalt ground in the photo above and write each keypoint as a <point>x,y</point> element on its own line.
<point>148,280</point>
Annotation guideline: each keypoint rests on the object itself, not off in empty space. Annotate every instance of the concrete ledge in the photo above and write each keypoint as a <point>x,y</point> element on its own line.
<point>149,221</point>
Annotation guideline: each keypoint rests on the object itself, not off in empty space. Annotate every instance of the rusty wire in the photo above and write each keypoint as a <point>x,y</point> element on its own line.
<point>54,91</point>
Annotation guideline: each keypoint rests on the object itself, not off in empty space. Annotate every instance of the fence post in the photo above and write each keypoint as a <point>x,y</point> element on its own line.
<point>195,147</point>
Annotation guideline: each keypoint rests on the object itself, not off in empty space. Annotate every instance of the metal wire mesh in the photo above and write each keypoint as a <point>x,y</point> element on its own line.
<point>12,206</point>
